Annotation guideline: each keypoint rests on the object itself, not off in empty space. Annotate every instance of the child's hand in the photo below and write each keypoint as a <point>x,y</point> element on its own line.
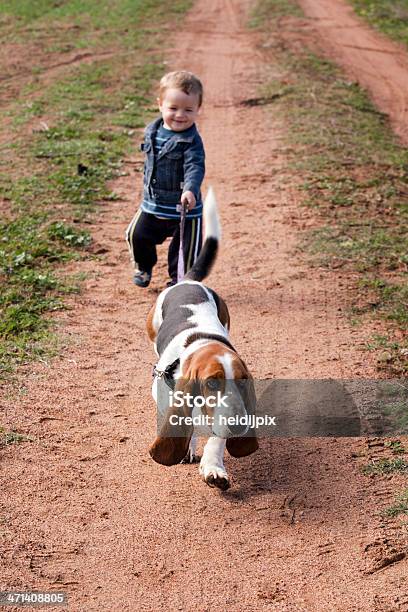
<point>188,199</point>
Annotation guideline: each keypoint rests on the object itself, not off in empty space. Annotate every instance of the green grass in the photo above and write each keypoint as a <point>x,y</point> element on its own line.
<point>397,412</point>
<point>396,447</point>
<point>65,140</point>
<point>389,351</point>
<point>386,466</point>
<point>400,506</point>
<point>279,8</point>
<point>12,437</point>
<point>351,170</point>
<point>390,297</point>
<point>77,24</point>
<point>388,16</point>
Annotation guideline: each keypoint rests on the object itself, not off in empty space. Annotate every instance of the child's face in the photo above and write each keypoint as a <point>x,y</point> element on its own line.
<point>179,110</point>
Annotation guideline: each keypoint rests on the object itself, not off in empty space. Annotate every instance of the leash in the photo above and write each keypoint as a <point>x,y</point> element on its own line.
<point>180,264</point>
<point>168,374</point>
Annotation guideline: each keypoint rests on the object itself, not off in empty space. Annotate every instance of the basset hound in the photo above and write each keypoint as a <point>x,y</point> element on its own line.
<point>189,327</point>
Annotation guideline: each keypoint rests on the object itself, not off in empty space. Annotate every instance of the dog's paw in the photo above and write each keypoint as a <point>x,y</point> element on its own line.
<point>215,476</point>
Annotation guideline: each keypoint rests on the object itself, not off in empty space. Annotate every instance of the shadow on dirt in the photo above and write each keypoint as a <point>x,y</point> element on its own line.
<point>291,463</point>
<point>315,472</point>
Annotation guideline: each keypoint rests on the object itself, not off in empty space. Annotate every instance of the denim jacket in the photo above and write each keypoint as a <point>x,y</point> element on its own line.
<point>177,168</point>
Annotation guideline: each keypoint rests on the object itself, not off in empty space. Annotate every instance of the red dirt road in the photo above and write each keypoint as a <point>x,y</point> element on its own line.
<point>86,511</point>
<point>374,61</point>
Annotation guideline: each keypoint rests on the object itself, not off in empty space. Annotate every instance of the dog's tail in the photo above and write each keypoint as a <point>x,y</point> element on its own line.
<point>212,234</point>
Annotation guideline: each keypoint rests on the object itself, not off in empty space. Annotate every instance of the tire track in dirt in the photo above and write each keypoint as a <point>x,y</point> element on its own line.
<point>85,510</point>
<point>373,60</point>
<point>49,71</point>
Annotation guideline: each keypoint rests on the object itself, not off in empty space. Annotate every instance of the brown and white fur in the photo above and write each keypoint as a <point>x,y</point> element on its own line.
<point>190,323</point>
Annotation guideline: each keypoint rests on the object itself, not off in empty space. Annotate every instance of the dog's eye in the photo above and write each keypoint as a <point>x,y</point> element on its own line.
<point>212,385</point>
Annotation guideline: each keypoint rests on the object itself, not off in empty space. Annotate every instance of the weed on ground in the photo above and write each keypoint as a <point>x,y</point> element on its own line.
<point>386,466</point>
<point>12,437</point>
<point>400,506</point>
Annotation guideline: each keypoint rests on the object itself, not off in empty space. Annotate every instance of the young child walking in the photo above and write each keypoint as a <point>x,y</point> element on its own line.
<point>173,172</point>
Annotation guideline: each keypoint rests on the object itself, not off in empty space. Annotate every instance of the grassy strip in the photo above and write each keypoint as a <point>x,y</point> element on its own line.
<point>267,9</point>
<point>58,27</point>
<point>388,16</point>
<point>53,179</point>
<point>351,170</point>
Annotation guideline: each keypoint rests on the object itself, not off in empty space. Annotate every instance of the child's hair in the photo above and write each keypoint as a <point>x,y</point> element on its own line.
<point>181,79</point>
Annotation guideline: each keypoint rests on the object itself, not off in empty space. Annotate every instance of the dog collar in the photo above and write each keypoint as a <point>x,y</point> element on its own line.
<point>168,374</point>
<point>203,336</point>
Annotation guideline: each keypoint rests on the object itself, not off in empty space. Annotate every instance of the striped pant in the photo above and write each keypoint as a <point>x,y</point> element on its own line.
<point>146,231</point>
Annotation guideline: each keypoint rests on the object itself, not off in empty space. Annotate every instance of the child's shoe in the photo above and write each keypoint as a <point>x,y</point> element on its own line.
<point>142,279</point>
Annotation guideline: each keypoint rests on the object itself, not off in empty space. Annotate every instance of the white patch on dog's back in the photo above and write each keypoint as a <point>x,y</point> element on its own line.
<point>204,317</point>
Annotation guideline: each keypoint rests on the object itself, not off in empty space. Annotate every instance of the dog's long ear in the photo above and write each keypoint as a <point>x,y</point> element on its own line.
<point>241,447</point>
<point>248,444</point>
<point>171,445</point>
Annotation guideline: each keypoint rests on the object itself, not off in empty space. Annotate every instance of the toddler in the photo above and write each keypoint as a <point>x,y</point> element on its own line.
<point>173,172</point>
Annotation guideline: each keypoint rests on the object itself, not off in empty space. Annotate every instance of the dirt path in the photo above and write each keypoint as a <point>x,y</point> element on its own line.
<point>85,510</point>
<point>373,60</point>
